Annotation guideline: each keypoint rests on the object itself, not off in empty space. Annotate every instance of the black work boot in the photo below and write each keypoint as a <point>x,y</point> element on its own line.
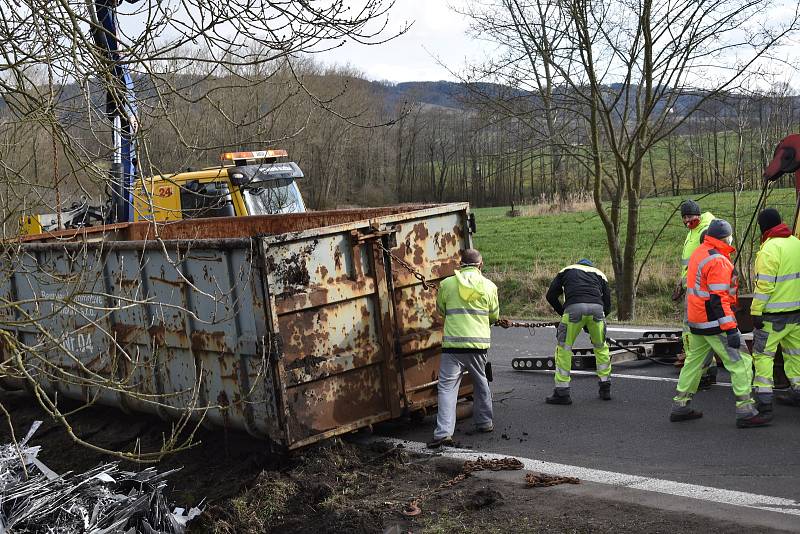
<point>559,396</point>
<point>436,443</point>
<point>684,413</point>
<point>751,421</point>
<point>789,398</point>
<point>605,390</point>
<point>708,379</point>
<point>764,403</point>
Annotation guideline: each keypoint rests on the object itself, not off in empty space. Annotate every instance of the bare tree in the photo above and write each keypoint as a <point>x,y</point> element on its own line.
<point>633,73</point>
<point>207,75</point>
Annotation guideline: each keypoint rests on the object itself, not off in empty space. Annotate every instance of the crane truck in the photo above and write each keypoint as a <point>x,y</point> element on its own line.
<point>246,182</point>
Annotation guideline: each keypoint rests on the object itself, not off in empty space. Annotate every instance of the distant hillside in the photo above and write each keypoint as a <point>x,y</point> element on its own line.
<point>454,95</point>
<point>439,94</point>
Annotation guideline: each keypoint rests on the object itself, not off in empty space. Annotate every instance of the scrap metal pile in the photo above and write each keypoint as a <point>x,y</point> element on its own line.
<point>103,500</point>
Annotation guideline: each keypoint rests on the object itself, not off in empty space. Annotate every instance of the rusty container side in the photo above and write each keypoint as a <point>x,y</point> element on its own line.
<point>430,241</point>
<point>182,331</point>
<point>360,338</point>
<point>331,313</point>
<point>294,335</point>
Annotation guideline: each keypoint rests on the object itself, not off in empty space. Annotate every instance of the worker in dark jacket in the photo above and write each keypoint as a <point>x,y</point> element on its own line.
<point>587,301</point>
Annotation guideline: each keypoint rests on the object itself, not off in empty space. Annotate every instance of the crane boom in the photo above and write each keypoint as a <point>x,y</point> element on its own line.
<point>120,109</point>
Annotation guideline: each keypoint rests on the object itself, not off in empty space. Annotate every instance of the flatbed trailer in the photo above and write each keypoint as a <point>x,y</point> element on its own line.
<point>662,345</point>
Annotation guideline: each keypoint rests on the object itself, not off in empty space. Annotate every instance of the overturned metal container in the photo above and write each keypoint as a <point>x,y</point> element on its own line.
<point>292,327</point>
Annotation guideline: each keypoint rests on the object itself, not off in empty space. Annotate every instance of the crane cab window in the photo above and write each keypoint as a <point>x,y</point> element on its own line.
<point>210,199</point>
<point>273,196</point>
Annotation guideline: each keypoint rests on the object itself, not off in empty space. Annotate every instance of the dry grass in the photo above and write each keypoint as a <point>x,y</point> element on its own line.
<point>572,202</point>
<point>522,294</point>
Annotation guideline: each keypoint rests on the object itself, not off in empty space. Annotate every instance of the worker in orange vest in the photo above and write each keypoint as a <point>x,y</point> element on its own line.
<point>711,288</point>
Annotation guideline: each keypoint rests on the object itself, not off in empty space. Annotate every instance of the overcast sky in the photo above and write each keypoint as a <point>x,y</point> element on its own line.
<point>437,31</point>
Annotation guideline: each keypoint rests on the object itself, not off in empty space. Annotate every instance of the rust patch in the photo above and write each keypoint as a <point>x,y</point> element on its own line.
<point>308,364</point>
<point>421,231</point>
<point>337,258</point>
<point>444,269</point>
<point>122,332</point>
<point>158,335</point>
<point>254,225</point>
<point>209,341</point>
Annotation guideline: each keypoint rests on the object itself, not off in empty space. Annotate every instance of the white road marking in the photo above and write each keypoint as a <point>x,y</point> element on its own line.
<point>668,487</point>
<point>618,375</point>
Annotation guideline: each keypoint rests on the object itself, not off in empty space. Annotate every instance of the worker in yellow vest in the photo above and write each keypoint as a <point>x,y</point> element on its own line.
<point>696,223</point>
<point>776,309</point>
<point>468,302</point>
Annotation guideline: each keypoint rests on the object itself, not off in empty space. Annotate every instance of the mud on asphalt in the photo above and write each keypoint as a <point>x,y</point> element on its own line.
<point>337,486</point>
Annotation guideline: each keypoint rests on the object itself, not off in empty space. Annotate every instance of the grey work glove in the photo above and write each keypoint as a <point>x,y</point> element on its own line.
<point>734,338</point>
<point>758,322</point>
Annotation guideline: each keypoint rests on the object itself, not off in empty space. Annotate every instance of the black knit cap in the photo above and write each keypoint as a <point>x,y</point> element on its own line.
<point>769,218</point>
<point>689,207</point>
<point>719,229</point>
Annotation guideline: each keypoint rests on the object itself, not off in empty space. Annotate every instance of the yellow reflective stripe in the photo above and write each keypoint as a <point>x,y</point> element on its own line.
<point>587,269</point>
<point>791,352</point>
<point>466,311</point>
<point>787,277</point>
<point>455,339</point>
<point>760,296</point>
<point>685,263</point>
<point>774,305</point>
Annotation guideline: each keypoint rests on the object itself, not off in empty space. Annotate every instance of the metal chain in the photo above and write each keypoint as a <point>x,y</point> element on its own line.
<point>414,272</point>
<point>470,466</point>
<point>507,323</point>
<point>503,323</point>
<point>542,480</point>
<point>497,464</point>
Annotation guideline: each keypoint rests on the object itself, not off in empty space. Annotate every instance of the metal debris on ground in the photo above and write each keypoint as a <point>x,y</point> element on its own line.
<point>103,500</point>
<point>541,480</point>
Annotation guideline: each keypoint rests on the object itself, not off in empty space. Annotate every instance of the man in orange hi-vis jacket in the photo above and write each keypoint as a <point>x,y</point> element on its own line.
<point>710,297</point>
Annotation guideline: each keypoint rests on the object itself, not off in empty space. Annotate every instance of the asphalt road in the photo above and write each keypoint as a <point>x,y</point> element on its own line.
<point>630,434</point>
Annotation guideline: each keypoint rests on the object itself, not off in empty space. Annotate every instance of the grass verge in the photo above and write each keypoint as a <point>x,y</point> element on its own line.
<point>523,254</point>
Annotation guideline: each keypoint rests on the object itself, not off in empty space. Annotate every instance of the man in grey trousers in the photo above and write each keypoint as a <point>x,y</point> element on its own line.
<point>468,302</point>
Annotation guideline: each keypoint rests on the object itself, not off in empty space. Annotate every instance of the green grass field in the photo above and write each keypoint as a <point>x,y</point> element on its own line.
<point>522,254</point>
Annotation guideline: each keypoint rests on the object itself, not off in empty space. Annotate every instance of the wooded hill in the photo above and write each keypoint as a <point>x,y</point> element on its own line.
<point>370,143</point>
